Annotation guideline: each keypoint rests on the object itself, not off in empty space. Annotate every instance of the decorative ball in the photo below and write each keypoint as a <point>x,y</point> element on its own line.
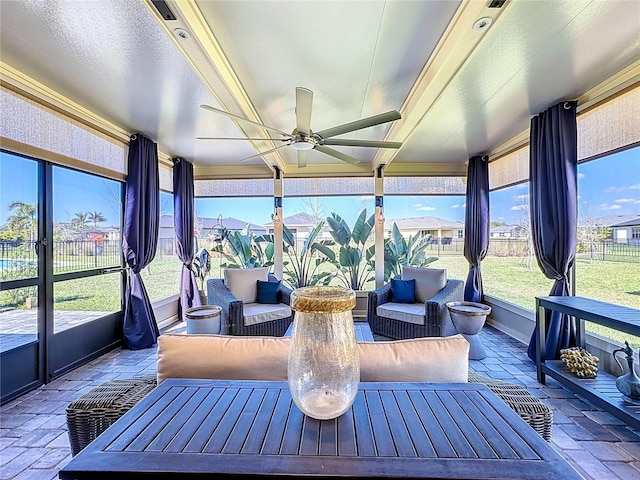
<point>579,362</point>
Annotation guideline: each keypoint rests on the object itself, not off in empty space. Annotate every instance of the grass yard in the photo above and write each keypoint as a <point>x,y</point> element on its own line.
<point>504,277</point>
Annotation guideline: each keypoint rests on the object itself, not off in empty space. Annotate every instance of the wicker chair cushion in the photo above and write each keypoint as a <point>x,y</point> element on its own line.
<point>256,313</point>
<point>429,281</point>
<point>404,312</point>
<point>243,282</point>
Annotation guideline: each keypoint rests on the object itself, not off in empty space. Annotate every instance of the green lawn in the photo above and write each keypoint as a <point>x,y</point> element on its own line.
<point>504,277</point>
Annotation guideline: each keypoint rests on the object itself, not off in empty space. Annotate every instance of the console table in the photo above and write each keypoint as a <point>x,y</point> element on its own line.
<point>188,428</point>
<point>601,391</point>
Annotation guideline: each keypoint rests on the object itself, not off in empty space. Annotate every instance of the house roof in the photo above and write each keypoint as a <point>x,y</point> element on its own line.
<point>615,220</point>
<point>634,222</point>
<point>424,223</point>
<point>166,221</point>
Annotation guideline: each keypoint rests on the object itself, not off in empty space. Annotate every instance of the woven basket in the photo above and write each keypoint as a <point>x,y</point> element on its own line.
<point>531,409</point>
<point>98,409</point>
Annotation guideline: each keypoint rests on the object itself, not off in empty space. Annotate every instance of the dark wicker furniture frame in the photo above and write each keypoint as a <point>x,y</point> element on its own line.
<point>437,319</point>
<point>232,315</point>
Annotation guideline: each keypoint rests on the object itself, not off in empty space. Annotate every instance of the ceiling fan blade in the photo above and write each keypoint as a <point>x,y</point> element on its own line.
<point>339,155</point>
<point>360,124</point>
<point>302,158</point>
<point>361,143</point>
<point>243,138</point>
<point>231,115</point>
<point>304,100</point>
<point>261,154</point>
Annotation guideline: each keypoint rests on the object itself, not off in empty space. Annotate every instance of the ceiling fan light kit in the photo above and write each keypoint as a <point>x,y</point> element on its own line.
<point>303,139</point>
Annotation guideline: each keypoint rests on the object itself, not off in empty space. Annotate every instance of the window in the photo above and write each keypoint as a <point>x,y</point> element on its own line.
<point>510,270</point>
<point>162,276</point>
<point>607,260</point>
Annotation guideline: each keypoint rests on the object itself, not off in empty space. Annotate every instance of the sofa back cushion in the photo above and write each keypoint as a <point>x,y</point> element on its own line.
<point>431,359</point>
<point>221,356</point>
<point>428,359</point>
<point>429,281</point>
<point>243,282</point>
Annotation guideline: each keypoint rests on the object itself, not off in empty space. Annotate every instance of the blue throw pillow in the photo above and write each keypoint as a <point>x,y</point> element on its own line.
<point>268,292</point>
<point>403,291</point>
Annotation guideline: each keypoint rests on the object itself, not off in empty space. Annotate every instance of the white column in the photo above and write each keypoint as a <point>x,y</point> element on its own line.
<point>379,226</point>
<point>277,225</point>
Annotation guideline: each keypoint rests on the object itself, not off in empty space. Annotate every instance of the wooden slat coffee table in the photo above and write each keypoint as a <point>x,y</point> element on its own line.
<point>189,428</point>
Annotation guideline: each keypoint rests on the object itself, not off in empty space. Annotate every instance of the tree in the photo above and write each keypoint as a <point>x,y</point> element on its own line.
<point>22,222</point>
<point>96,218</point>
<point>525,228</point>
<point>80,220</point>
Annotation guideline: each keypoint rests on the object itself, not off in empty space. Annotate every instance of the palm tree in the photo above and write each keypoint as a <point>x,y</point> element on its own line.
<point>22,219</point>
<point>96,218</point>
<point>80,220</point>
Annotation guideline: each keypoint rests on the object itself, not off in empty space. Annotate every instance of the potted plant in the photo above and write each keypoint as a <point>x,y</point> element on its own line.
<point>353,269</point>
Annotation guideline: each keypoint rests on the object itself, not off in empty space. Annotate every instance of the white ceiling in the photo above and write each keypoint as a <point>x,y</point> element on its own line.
<point>460,92</point>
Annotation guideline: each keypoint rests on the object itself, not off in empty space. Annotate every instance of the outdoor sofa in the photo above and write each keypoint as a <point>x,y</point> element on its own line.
<point>265,358</point>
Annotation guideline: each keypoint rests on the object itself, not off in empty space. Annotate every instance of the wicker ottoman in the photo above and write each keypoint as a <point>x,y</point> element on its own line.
<point>97,410</point>
<point>531,409</point>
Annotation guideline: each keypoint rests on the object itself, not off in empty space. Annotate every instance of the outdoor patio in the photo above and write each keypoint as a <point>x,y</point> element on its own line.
<point>34,442</point>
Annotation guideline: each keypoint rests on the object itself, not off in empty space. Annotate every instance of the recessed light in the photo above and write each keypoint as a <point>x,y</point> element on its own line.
<point>181,33</point>
<point>482,24</point>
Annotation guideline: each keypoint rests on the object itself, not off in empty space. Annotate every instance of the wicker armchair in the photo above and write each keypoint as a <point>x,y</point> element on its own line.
<point>232,315</point>
<point>437,321</point>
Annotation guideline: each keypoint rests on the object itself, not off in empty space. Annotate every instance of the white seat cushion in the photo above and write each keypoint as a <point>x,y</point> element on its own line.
<point>429,281</point>
<point>243,282</point>
<point>255,313</point>
<point>405,312</point>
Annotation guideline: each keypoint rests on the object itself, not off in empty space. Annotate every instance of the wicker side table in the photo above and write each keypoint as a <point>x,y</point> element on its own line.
<point>98,409</point>
<point>533,411</point>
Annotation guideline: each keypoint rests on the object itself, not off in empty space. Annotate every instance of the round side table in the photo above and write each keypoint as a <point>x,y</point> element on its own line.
<point>468,318</point>
<point>204,319</point>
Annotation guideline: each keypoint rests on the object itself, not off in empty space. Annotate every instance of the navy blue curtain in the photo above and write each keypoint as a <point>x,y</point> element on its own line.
<point>140,239</point>
<point>183,223</point>
<point>553,165</point>
<point>476,225</point>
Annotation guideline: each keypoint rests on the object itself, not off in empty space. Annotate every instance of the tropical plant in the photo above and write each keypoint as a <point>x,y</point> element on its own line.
<point>96,218</point>
<point>399,252</point>
<point>242,249</point>
<point>80,220</point>
<point>301,267</point>
<point>352,270</point>
<point>201,265</point>
<point>22,222</point>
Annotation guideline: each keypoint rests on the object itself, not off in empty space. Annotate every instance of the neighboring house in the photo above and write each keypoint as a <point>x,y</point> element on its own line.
<point>626,232</point>
<point>206,228</point>
<point>623,228</point>
<point>300,225</point>
<point>507,231</point>
<point>438,228</point>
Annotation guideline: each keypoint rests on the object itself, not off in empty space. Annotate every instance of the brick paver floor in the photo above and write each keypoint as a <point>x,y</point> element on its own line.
<point>34,443</point>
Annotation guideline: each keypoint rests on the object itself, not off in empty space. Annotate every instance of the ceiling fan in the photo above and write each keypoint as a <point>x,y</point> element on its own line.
<point>304,139</point>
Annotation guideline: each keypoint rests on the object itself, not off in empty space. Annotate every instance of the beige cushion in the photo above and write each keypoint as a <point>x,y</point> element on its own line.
<point>243,282</point>
<point>221,356</point>
<point>429,359</point>
<point>429,281</point>
<point>404,312</point>
<point>255,313</point>
<point>432,359</point>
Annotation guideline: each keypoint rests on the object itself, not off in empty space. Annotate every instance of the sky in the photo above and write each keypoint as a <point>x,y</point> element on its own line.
<point>607,186</point>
